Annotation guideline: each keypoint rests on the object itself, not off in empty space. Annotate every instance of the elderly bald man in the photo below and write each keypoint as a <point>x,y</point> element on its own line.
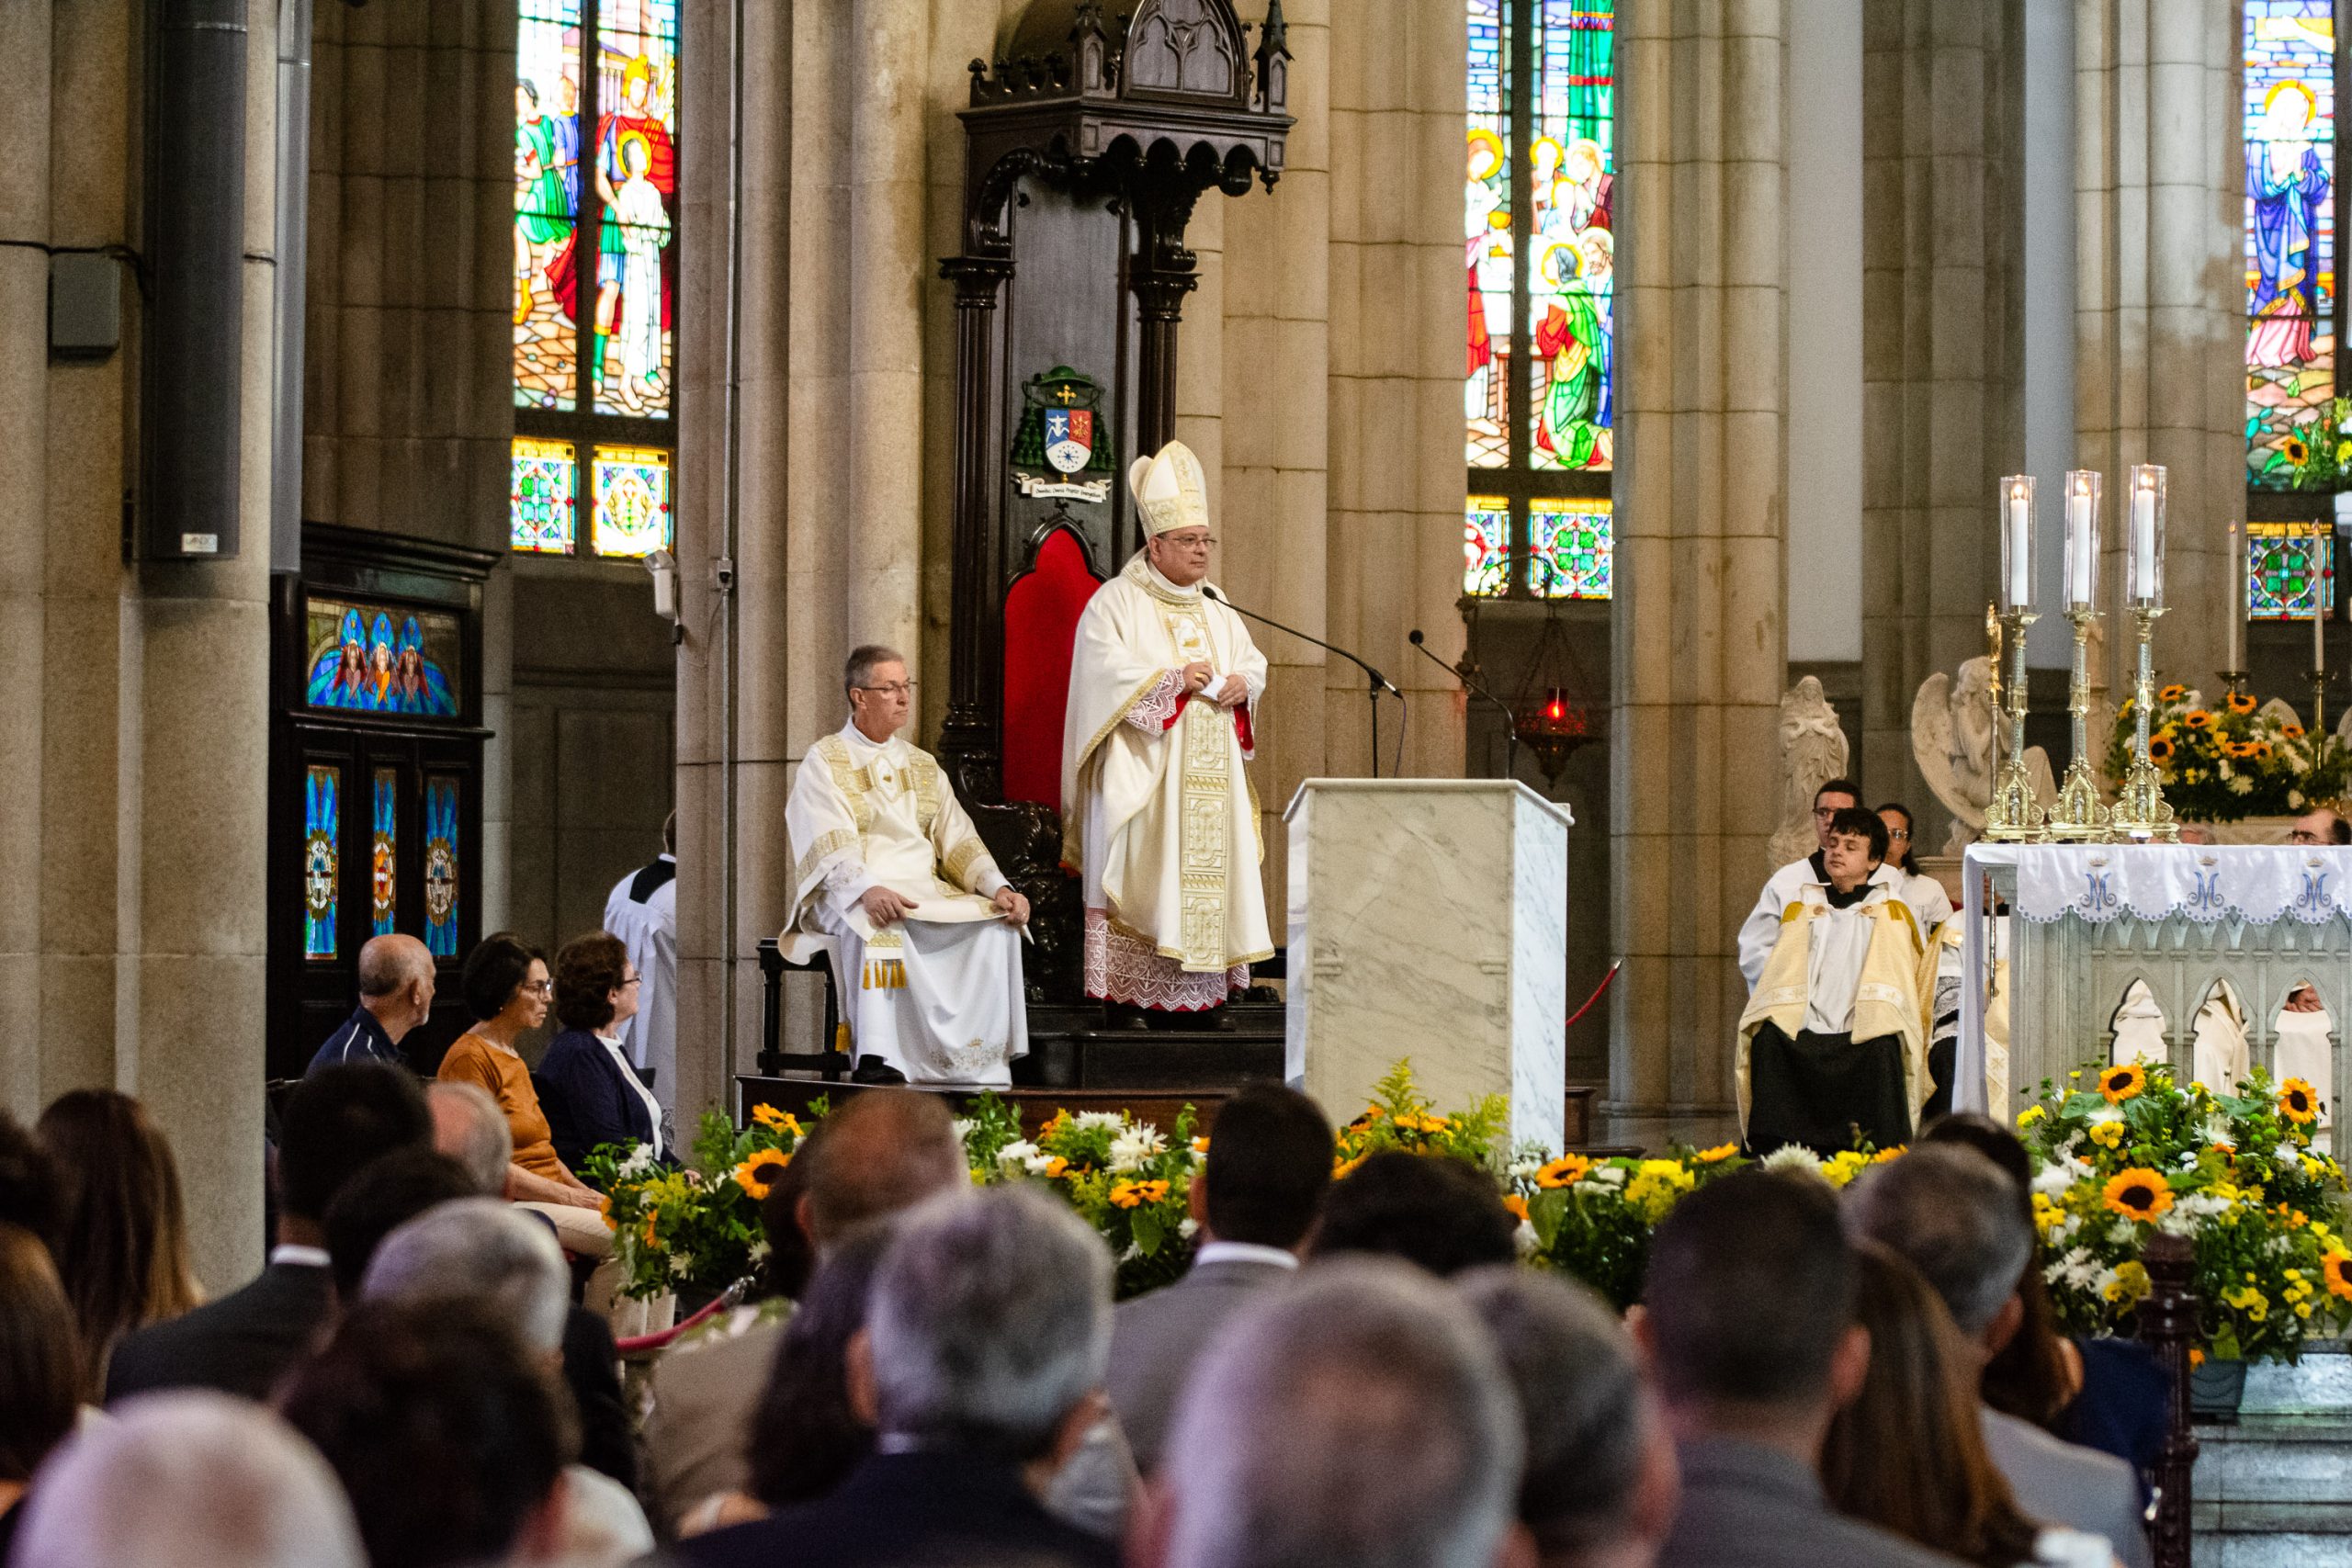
<point>395,995</point>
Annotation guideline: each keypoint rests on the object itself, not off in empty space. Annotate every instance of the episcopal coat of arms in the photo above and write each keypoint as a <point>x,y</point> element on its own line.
<point>1061,451</point>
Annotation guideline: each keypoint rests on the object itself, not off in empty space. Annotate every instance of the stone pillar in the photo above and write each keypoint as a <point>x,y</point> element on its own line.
<point>888,57</point>
<point>2159,319</point>
<point>1698,645</point>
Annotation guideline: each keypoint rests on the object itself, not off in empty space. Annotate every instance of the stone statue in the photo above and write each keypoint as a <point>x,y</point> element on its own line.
<point>1955,738</point>
<point>1813,751</point>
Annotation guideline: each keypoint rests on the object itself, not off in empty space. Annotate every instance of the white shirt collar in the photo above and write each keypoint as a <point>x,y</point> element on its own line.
<point>862,746</point>
<point>629,1076</point>
<point>299,1255</point>
<point>1161,582</point>
<point>1244,1252</point>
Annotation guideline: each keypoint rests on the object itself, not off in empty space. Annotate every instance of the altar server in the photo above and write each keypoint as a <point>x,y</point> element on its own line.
<point>1159,818</point>
<point>1831,1044</point>
<point>926,929</point>
<point>1929,902</point>
<point>642,910</point>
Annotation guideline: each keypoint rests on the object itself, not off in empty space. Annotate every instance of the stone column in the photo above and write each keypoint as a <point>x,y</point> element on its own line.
<point>888,57</point>
<point>1698,645</point>
<point>2159,320</point>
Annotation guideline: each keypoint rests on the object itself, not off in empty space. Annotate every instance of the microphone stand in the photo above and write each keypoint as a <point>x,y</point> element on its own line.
<point>1510,720</point>
<point>1376,681</point>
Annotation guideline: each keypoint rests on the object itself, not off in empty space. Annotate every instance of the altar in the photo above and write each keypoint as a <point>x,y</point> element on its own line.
<point>2085,921</point>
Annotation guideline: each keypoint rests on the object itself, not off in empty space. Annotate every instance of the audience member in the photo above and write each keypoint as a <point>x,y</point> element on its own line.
<point>884,1151</point>
<point>395,995</point>
<point>591,1093</point>
<point>1600,1483</point>
<point>980,1367</point>
<point>337,1121</point>
<point>385,1195</point>
<point>29,1196</point>
<point>1954,1216</point>
<point>2322,826</point>
<point>121,1234</point>
<point>188,1479</point>
<point>792,1256</point>
<point>807,1434</point>
<point>480,1251</point>
<point>1357,1419</point>
<point>2105,1392</point>
<point>468,1127</point>
<point>1445,1215</point>
<point>40,1369</point>
<point>1749,1322</point>
<point>1255,1199</point>
<point>506,988</point>
<point>1907,1454</point>
<point>447,1433</point>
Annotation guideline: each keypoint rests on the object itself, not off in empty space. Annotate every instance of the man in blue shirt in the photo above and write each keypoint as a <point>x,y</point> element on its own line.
<point>395,995</point>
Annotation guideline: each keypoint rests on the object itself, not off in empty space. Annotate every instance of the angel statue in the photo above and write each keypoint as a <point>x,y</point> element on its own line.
<point>1955,738</point>
<point>1813,751</point>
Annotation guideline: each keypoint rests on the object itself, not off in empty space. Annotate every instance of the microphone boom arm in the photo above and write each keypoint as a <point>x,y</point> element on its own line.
<point>1379,683</point>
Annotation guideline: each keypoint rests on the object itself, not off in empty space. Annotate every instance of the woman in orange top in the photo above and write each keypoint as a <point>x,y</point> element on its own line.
<point>506,988</point>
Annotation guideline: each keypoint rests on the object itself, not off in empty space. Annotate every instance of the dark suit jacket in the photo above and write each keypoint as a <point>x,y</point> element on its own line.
<point>591,1371</point>
<point>585,1099</point>
<point>1156,1338</point>
<point>1749,1507</point>
<point>897,1508</point>
<point>241,1344</point>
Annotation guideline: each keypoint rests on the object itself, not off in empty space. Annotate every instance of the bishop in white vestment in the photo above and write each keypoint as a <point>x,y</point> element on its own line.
<point>1158,816</point>
<point>927,946</point>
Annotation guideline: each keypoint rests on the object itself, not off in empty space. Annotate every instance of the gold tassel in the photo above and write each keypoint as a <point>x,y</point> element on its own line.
<point>840,1036</point>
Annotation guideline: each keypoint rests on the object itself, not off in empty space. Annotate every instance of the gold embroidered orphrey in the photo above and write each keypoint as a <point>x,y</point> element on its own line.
<point>1205,845</point>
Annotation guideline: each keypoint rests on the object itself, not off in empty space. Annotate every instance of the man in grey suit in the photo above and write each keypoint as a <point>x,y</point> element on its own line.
<point>1750,1327</point>
<point>1960,1221</point>
<point>1269,1164</point>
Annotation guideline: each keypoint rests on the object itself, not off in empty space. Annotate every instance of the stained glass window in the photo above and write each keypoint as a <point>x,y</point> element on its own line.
<point>1569,549</point>
<point>384,854</point>
<point>2290,570</point>
<point>1539,250</point>
<point>541,492</point>
<point>1486,546</point>
<point>321,871</point>
<point>441,865</point>
<point>632,501</point>
<point>596,213</point>
<point>1570,318</point>
<point>2289,109</point>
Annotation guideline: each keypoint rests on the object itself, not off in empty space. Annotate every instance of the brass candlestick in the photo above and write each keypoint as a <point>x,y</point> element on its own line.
<point>2139,809</point>
<point>2318,679</point>
<point>2079,815</point>
<point>2013,815</point>
<point>2234,681</point>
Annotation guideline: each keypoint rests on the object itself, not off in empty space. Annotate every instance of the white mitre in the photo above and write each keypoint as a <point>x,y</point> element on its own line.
<point>1172,489</point>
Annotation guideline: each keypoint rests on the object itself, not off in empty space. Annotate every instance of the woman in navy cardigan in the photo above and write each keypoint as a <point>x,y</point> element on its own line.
<point>590,1092</point>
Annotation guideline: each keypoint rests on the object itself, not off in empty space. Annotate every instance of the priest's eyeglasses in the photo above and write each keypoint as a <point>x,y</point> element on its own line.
<point>895,689</point>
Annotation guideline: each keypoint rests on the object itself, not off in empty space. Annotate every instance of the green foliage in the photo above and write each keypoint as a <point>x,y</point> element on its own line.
<point>2232,760</point>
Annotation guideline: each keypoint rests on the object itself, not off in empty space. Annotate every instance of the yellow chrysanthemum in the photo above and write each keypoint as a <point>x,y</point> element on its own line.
<point>2107,1134</point>
<point>2297,1102</point>
<point>2119,1084</point>
<point>2137,1193</point>
<point>2030,1114</point>
<point>1565,1171</point>
<point>1656,1185</point>
<point>2130,1283</point>
<point>757,1174</point>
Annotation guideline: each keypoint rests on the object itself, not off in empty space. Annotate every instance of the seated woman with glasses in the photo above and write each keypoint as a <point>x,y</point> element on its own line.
<point>587,1085</point>
<point>506,987</point>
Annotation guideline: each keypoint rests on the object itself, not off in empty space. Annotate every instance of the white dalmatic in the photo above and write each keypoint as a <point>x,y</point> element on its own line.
<point>937,995</point>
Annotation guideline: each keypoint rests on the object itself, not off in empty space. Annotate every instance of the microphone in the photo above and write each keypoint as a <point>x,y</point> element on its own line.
<point>1379,681</point>
<point>1510,720</point>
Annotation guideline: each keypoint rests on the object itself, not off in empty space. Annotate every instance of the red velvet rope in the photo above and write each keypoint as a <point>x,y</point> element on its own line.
<point>1596,993</point>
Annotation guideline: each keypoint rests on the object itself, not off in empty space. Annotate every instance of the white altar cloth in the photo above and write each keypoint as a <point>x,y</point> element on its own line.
<point>2258,883</point>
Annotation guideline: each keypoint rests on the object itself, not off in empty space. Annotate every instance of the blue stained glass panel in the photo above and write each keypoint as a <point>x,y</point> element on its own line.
<point>2290,570</point>
<point>441,850</point>
<point>1486,239</point>
<point>547,204</point>
<point>540,484</point>
<point>1571,293</point>
<point>321,872</point>
<point>1485,547</point>
<point>2290,117</point>
<point>1569,549</point>
<point>384,854</point>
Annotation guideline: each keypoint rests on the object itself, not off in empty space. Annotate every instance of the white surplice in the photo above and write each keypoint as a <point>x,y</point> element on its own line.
<point>642,910</point>
<point>1159,818</point>
<point>937,995</point>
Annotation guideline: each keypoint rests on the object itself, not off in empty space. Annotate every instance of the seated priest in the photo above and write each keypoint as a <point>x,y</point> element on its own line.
<point>927,945</point>
<point>1830,1047</point>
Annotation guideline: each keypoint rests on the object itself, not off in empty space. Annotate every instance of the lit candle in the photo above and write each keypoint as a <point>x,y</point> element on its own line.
<point>2082,539</point>
<point>2147,543</point>
<point>2017,541</point>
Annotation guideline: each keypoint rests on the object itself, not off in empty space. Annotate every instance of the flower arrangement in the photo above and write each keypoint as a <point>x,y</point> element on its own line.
<point>2137,1153</point>
<point>694,1227</point>
<point>1401,1117</point>
<point>1124,1177</point>
<point>2230,761</point>
<point>1593,1218</point>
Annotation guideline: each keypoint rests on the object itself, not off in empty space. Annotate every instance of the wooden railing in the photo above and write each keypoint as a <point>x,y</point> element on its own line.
<point>2167,1319</point>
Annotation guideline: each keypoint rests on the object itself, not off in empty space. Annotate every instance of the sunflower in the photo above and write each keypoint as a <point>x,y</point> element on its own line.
<point>2297,1102</point>
<point>2295,450</point>
<point>1565,1171</point>
<point>1134,1194</point>
<point>758,1173</point>
<point>2173,693</point>
<point>2137,1193</point>
<point>2198,719</point>
<point>1715,1155</point>
<point>2119,1084</point>
<point>2291,732</point>
<point>2240,703</point>
<point>1888,1156</point>
<point>1516,1204</point>
<point>2262,750</point>
<point>2335,1267</point>
<point>1341,1167</point>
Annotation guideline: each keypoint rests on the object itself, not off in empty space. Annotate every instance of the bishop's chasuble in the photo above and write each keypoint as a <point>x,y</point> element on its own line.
<point>937,995</point>
<point>1158,815</point>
